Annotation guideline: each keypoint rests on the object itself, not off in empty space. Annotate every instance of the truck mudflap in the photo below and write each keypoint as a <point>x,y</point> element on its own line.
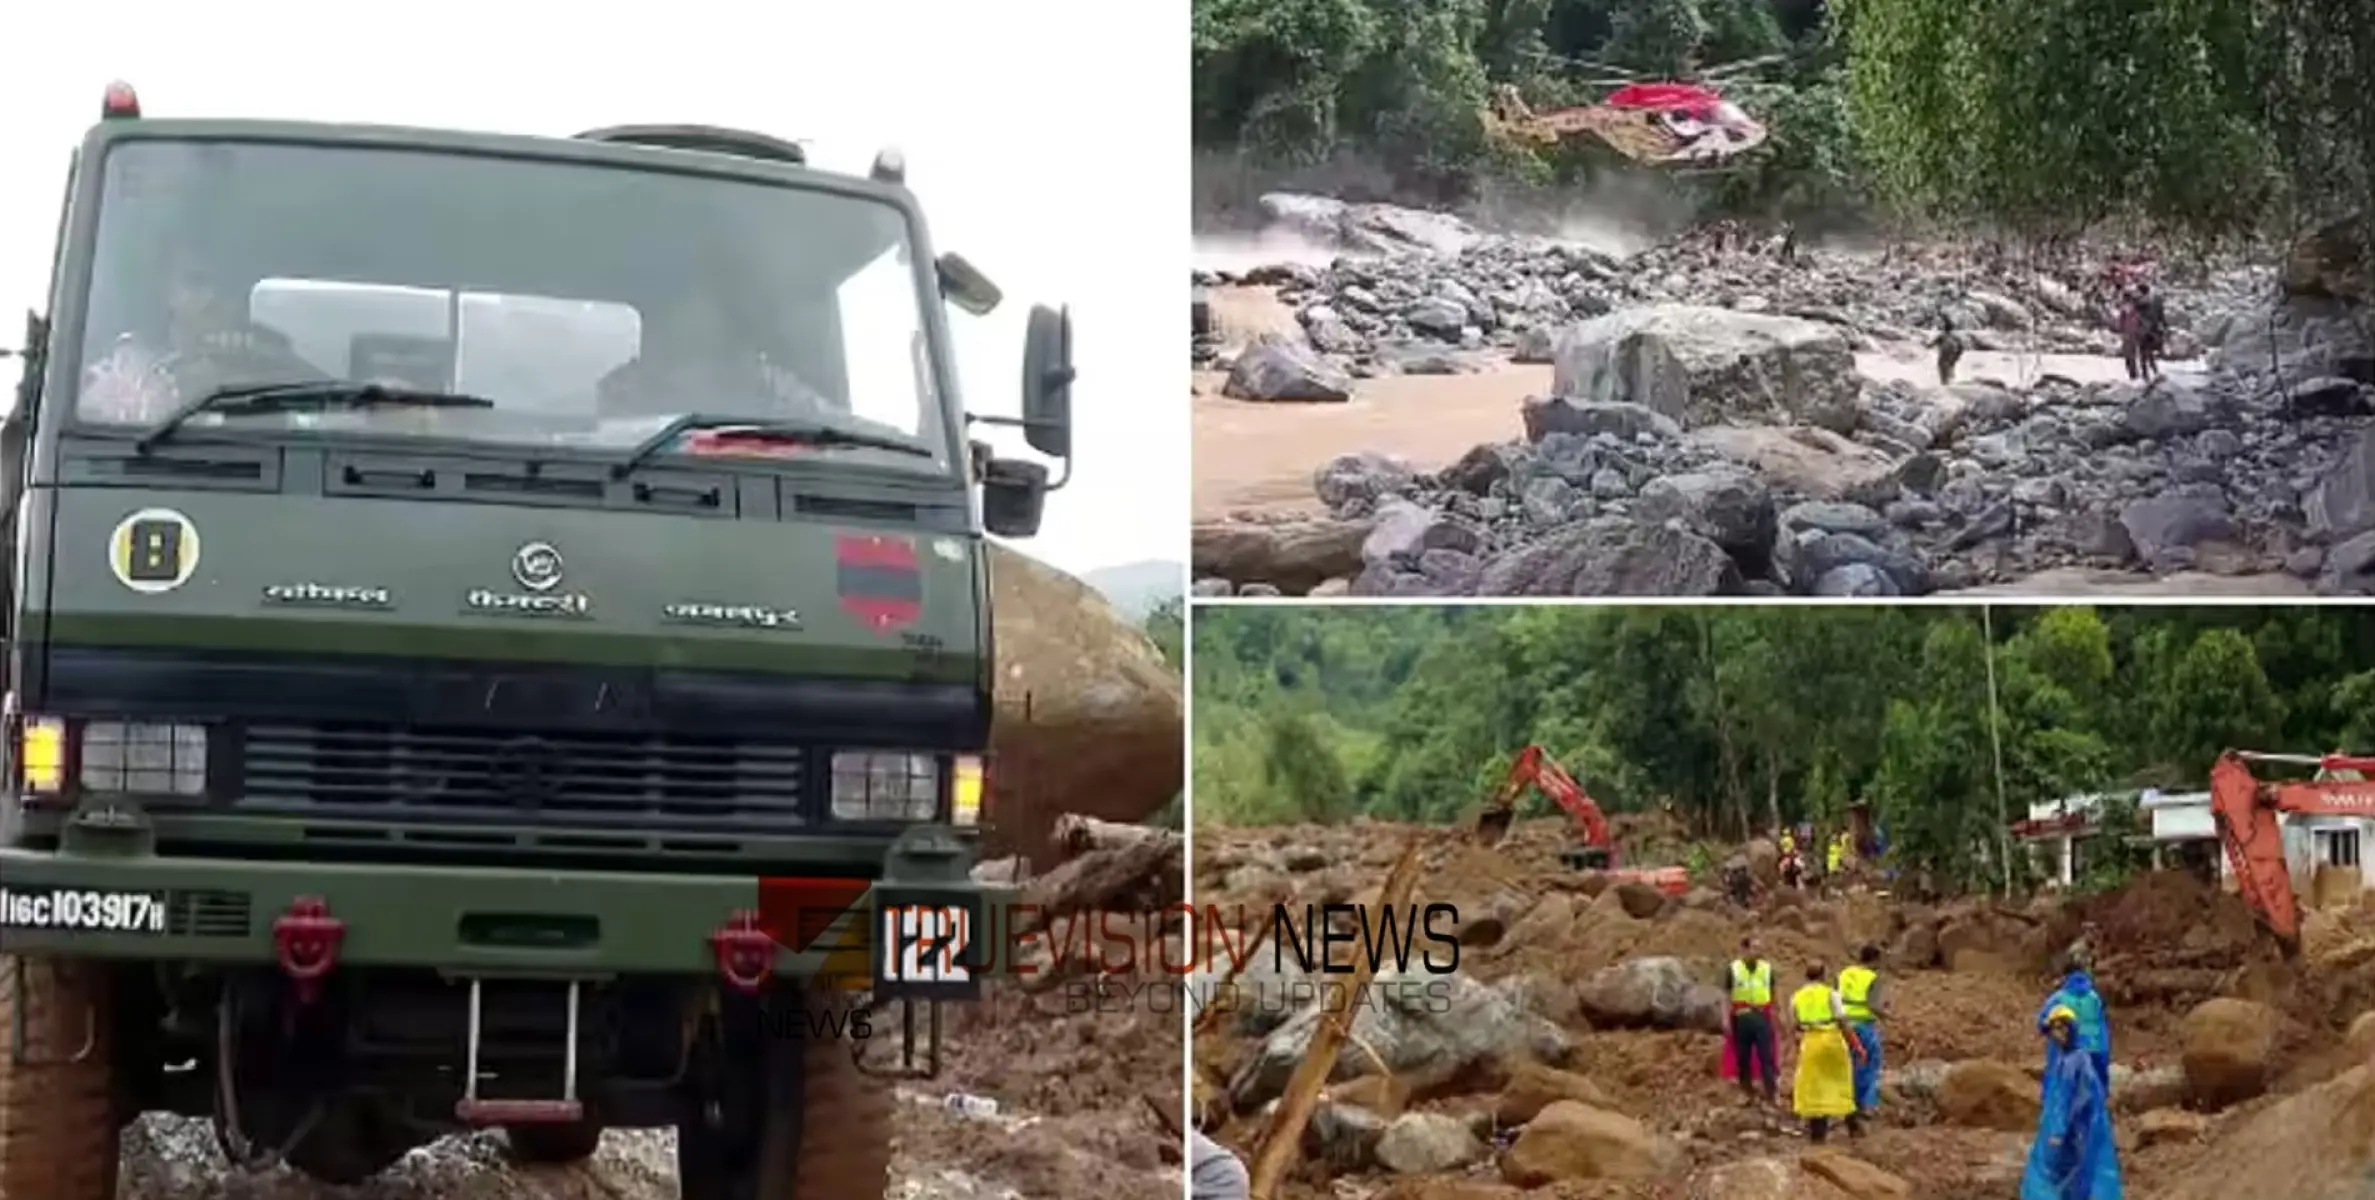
<point>919,933</point>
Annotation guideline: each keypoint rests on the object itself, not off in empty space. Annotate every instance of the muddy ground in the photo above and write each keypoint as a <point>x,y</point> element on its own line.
<point>1073,1122</point>
<point>2279,1104</point>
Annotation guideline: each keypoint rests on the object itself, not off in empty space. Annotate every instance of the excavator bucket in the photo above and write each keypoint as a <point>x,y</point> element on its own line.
<point>1493,824</point>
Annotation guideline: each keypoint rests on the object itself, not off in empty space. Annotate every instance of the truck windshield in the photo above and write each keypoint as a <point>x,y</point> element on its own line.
<point>592,304</point>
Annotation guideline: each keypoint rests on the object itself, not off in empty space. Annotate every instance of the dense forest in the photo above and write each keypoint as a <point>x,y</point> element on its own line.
<point>1739,716</point>
<point>2042,115</point>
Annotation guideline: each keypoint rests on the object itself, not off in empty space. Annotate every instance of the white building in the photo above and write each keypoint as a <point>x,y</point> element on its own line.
<point>2184,833</point>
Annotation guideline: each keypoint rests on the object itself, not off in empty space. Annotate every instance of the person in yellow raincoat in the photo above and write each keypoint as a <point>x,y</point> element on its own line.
<point>1824,1090</point>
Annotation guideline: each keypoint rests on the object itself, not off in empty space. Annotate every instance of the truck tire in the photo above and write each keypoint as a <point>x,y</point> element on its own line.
<point>844,1139</point>
<point>553,1145</point>
<point>59,1133</point>
<point>822,1130</point>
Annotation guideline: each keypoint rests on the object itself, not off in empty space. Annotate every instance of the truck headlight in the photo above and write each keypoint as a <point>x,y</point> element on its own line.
<point>121,756</point>
<point>965,786</point>
<point>41,755</point>
<point>885,785</point>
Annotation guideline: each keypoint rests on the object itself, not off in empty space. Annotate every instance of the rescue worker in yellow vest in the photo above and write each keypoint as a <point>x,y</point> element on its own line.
<point>1748,1033</point>
<point>1837,857</point>
<point>1824,1090</point>
<point>1861,999</point>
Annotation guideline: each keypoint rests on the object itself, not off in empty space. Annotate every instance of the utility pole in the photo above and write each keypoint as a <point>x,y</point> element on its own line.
<point>1995,737</point>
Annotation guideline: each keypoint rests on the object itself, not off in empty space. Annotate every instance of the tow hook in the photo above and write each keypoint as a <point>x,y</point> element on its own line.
<point>306,938</point>
<point>745,952</point>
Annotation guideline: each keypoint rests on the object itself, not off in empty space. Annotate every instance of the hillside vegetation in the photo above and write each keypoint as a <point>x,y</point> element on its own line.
<point>1741,716</point>
<point>2043,115</point>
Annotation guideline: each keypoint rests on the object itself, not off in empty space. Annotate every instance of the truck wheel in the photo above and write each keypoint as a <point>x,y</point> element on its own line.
<point>554,1144</point>
<point>58,1127</point>
<point>842,1149</point>
<point>817,1129</point>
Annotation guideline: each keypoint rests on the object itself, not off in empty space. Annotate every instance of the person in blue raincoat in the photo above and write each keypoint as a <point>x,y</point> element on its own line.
<point>2077,993</point>
<point>2074,1156</point>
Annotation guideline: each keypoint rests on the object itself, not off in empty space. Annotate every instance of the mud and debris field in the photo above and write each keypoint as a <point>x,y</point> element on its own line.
<point>1575,1052</point>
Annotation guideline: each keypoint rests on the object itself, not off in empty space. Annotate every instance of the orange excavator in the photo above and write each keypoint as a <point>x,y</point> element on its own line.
<point>1535,768</point>
<point>2247,809</point>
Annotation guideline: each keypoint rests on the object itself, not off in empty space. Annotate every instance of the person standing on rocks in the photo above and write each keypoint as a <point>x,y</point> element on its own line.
<point>1950,347</point>
<point>1824,1090</point>
<point>2152,330</point>
<point>2074,1156</point>
<point>1864,1003</point>
<point>1748,1034</point>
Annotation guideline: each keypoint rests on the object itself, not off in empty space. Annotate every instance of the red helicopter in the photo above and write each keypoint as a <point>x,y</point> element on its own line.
<point>1660,124</point>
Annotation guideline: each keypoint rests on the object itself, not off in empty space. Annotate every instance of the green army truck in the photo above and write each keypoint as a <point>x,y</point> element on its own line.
<point>498,636</point>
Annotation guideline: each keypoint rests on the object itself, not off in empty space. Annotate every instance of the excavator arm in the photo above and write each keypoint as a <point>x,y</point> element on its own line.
<point>1535,768</point>
<point>2247,810</point>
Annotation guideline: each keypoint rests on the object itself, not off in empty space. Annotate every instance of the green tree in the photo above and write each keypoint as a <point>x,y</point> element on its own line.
<point>1302,770</point>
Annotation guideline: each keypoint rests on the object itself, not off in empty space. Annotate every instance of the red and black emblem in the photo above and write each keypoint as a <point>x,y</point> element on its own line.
<point>879,580</point>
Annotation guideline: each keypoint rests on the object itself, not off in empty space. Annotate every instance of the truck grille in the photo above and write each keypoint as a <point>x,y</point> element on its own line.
<point>399,774</point>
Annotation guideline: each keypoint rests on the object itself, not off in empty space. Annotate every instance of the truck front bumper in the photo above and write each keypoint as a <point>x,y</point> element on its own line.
<point>485,922</point>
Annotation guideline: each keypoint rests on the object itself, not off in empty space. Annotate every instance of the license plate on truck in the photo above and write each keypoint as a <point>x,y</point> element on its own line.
<point>82,910</point>
<point>927,945</point>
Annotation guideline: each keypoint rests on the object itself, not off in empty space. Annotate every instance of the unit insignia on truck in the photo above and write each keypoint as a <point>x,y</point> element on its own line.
<point>153,550</point>
<point>82,909</point>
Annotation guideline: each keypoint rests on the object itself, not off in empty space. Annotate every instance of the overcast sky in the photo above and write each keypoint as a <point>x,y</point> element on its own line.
<point>1046,138</point>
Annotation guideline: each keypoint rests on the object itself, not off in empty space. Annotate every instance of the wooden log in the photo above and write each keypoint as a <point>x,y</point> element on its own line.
<point>1138,876</point>
<point>1284,1137</point>
<point>1076,834</point>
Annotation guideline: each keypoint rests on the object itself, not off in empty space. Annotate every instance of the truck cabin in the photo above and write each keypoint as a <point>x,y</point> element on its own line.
<point>594,289</point>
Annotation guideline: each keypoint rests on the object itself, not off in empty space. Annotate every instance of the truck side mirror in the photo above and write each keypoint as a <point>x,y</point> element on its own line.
<point>1047,381</point>
<point>1013,497</point>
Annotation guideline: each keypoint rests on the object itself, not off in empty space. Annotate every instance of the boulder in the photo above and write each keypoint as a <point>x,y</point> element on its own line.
<point>2227,1044</point>
<point>1533,1087</point>
<point>1613,557</point>
<point>1853,1176</point>
<point>2342,505</point>
<point>1639,992</point>
<point>1293,556</point>
<point>1088,714</point>
<point>2332,261</point>
<point>1425,1143</point>
<point>1572,1140</point>
<point>1764,861</point>
<point>1425,1028</point>
<point>1705,366</point>
<point>1817,1174</point>
<point>1984,1094</point>
<point>1344,1136</point>
<point>1274,368</point>
<point>2168,1125</point>
<point>2320,1142</point>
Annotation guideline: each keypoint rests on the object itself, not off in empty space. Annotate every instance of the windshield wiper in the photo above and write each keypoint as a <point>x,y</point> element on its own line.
<point>310,394</point>
<point>794,433</point>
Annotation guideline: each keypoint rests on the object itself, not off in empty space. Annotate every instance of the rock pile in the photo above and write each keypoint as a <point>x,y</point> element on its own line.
<point>1709,431</point>
<point>1573,1043</point>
